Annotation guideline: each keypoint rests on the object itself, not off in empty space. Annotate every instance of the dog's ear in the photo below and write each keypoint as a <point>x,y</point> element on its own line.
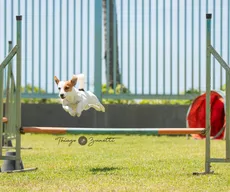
<point>56,80</point>
<point>74,80</point>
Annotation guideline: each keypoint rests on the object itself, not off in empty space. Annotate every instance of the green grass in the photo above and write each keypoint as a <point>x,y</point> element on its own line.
<point>130,163</point>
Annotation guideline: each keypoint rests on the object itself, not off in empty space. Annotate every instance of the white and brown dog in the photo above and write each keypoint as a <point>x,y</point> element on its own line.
<point>74,100</point>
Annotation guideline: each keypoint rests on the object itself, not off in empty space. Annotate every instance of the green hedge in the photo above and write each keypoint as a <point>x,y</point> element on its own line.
<point>119,89</point>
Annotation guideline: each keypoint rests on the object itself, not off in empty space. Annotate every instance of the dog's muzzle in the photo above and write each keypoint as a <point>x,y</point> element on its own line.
<point>62,96</point>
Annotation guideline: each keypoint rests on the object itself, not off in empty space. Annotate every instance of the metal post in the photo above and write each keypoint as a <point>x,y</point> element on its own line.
<point>208,90</point>
<point>227,128</point>
<point>114,45</point>
<point>97,48</point>
<point>18,95</point>
<point>1,108</point>
<point>8,81</point>
<point>107,46</point>
<point>8,90</point>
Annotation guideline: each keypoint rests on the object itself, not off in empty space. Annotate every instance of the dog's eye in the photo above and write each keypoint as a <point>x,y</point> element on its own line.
<point>66,88</point>
<point>59,88</point>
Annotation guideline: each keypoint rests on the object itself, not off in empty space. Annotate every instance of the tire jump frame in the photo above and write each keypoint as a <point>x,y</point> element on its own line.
<point>17,129</point>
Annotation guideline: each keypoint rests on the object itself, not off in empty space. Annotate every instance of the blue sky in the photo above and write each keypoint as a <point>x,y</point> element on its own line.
<point>168,54</point>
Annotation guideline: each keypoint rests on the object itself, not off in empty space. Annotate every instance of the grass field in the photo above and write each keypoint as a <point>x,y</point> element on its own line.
<point>126,163</point>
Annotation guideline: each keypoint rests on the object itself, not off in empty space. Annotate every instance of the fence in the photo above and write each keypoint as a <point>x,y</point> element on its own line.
<point>156,45</point>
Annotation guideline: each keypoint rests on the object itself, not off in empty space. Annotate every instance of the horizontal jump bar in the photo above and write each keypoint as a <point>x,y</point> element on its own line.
<point>144,131</point>
<point>219,160</point>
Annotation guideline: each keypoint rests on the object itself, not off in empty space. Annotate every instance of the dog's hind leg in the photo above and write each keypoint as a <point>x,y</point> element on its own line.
<point>95,103</point>
<point>102,108</point>
<point>97,107</point>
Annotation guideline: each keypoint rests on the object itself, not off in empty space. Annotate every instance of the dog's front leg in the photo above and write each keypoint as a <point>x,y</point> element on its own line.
<point>66,108</point>
<point>79,108</point>
<point>69,110</point>
<point>72,112</point>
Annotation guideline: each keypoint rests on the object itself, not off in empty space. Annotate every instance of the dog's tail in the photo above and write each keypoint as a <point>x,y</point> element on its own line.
<point>81,81</point>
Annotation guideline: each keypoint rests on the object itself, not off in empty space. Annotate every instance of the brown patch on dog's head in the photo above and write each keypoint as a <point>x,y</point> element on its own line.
<point>68,86</point>
<point>56,80</point>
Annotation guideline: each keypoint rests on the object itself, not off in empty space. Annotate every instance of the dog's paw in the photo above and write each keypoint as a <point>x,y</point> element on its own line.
<point>72,113</point>
<point>66,108</point>
<point>102,108</point>
<point>78,114</point>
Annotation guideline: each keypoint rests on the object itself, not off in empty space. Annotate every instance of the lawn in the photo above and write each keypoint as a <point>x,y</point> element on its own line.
<point>124,163</point>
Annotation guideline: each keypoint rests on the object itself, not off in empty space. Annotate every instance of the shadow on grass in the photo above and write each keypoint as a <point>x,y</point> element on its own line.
<point>103,169</point>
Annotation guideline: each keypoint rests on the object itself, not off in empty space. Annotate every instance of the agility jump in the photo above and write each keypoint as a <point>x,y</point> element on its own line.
<point>17,130</point>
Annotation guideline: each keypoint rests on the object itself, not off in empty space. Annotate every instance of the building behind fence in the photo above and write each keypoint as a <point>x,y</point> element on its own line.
<point>154,48</point>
